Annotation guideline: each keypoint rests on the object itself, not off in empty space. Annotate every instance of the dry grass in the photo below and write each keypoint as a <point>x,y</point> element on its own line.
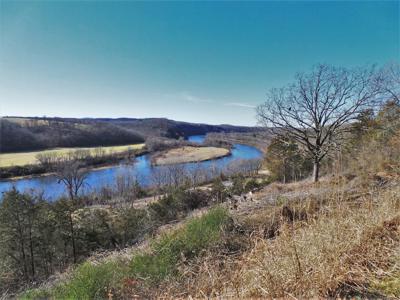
<point>26,158</point>
<point>328,246</point>
<point>189,154</point>
<point>28,122</point>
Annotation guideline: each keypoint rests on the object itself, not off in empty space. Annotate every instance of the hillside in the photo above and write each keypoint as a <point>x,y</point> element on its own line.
<point>336,239</point>
<point>245,235</point>
<point>26,134</point>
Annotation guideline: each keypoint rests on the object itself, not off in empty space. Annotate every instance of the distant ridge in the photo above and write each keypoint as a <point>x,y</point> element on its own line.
<point>34,133</point>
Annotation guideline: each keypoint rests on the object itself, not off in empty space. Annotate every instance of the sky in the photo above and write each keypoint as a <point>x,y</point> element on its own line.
<point>204,62</point>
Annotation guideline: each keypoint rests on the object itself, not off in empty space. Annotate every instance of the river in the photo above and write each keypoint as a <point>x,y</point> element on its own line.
<point>141,168</point>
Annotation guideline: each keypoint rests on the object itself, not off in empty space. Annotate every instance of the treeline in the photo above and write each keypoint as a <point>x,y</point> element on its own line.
<point>40,238</point>
<point>50,133</point>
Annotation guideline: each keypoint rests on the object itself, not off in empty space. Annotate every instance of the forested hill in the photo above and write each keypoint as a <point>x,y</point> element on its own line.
<point>31,133</point>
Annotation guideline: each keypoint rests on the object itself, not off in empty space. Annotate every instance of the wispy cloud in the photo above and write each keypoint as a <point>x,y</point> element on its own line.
<point>193,99</point>
<point>239,104</point>
<point>189,97</point>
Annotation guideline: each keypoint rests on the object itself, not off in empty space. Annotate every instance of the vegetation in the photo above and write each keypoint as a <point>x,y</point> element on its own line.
<point>315,110</point>
<point>240,236</point>
<point>259,138</point>
<point>27,134</point>
<point>159,261</point>
<point>50,161</point>
<point>34,134</point>
<point>189,154</point>
<point>186,243</point>
<point>287,161</point>
<point>29,158</point>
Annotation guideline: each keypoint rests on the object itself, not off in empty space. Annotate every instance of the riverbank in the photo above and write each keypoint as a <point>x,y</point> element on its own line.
<point>188,154</point>
<point>259,139</point>
<point>91,160</point>
<point>143,170</point>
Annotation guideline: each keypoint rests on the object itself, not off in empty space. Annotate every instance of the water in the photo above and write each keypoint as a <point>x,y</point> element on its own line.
<point>196,139</point>
<point>142,169</point>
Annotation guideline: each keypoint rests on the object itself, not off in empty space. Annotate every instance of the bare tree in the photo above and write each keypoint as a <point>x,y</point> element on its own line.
<point>196,174</point>
<point>391,81</point>
<point>70,173</point>
<point>47,159</point>
<point>159,178</point>
<point>176,175</point>
<point>316,108</point>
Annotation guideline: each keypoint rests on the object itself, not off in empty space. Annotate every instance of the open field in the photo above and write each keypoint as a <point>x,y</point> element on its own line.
<point>26,158</point>
<point>189,154</point>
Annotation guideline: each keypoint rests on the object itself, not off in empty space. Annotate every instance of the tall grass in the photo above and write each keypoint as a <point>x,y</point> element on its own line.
<point>185,243</point>
<point>336,245</point>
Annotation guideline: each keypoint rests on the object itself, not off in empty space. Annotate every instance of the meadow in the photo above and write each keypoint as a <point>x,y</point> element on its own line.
<point>189,154</point>
<point>28,158</point>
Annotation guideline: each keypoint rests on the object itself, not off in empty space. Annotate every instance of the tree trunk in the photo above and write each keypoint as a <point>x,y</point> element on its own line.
<point>31,250</point>
<point>316,170</point>
<point>71,224</point>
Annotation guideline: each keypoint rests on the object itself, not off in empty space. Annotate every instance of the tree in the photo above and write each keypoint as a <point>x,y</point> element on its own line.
<point>17,218</point>
<point>391,81</point>
<point>285,160</point>
<point>72,175</point>
<point>316,109</point>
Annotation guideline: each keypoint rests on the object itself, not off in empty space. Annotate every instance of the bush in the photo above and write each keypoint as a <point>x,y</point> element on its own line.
<point>252,184</point>
<point>165,209</point>
<point>194,199</point>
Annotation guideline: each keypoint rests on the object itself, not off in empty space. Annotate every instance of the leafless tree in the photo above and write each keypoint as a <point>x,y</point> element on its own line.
<point>316,108</point>
<point>196,175</point>
<point>391,81</point>
<point>127,186</point>
<point>159,178</point>
<point>176,175</point>
<point>47,159</point>
<point>70,173</point>
<point>99,152</point>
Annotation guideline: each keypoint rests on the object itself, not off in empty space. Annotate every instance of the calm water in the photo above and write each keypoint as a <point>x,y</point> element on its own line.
<point>142,169</point>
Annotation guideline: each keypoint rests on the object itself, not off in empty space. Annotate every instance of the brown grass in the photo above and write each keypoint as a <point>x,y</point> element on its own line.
<point>189,154</point>
<point>328,246</point>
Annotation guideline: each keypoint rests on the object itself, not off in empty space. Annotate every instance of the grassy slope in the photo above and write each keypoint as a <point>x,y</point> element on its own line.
<point>189,154</point>
<point>296,240</point>
<point>26,158</point>
<point>339,238</point>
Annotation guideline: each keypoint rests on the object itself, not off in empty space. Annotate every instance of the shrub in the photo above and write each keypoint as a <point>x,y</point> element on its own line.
<point>193,199</point>
<point>238,183</point>
<point>252,184</point>
<point>165,209</point>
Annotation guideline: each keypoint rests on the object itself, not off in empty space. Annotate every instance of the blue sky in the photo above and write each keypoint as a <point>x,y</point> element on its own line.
<point>210,62</point>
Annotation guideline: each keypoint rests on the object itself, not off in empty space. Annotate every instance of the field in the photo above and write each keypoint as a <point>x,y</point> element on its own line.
<point>189,154</point>
<point>26,158</point>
